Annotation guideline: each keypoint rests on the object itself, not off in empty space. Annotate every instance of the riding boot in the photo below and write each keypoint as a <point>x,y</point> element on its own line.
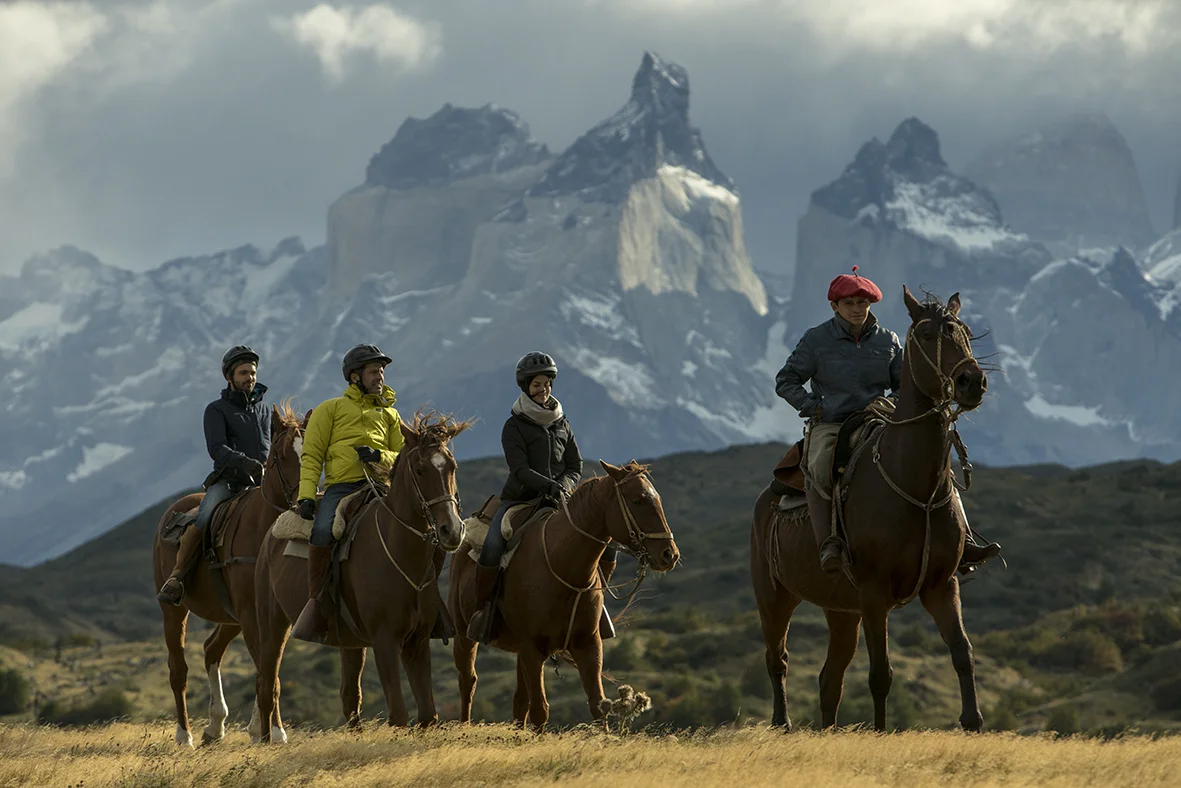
<point>312,624</point>
<point>976,554</point>
<point>479,628</point>
<point>187,555</point>
<point>606,627</point>
<point>832,549</point>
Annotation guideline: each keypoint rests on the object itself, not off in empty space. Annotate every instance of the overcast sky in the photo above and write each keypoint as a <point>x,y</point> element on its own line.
<point>144,131</point>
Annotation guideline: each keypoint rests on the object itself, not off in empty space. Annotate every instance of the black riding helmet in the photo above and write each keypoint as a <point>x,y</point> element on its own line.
<point>238,354</point>
<point>356,359</point>
<point>533,364</point>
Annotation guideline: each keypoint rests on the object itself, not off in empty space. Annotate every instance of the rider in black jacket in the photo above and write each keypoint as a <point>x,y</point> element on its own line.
<point>238,438</point>
<point>543,463</point>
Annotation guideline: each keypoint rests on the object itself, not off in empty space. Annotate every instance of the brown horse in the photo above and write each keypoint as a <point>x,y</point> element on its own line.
<point>551,599</point>
<point>388,587</point>
<point>249,518</point>
<point>904,527</point>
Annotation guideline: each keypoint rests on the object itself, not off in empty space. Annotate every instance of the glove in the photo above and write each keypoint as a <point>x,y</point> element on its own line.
<point>307,508</point>
<point>253,469</point>
<point>367,454</point>
<point>557,492</point>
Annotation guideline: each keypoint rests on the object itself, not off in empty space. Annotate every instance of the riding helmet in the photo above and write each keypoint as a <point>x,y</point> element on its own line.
<point>238,354</point>
<point>533,364</point>
<point>359,356</point>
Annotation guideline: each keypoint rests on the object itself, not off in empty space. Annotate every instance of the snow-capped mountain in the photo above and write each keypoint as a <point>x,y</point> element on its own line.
<point>1083,341</point>
<point>467,245</point>
<point>1071,184</point>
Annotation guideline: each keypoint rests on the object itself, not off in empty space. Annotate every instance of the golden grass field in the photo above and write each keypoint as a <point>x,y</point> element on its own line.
<point>145,755</point>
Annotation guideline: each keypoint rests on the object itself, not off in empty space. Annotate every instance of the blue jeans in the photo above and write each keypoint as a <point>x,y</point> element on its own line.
<point>494,544</point>
<point>326,511</point>
<point>218,493</point>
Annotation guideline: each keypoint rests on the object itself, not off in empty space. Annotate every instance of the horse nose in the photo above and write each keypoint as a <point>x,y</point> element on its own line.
<point>670,555</point>
<point>972,379</point>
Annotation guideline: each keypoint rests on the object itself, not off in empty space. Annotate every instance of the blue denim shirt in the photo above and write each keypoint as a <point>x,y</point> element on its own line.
<point>846,374</point>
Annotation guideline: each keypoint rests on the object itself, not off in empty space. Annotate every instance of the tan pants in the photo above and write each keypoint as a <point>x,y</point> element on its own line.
<point>821,446</point>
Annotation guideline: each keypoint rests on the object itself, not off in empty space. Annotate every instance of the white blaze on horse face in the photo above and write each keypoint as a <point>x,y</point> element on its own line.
<point>439,461</point>
<point>218,710</point>
<point>297,444</point>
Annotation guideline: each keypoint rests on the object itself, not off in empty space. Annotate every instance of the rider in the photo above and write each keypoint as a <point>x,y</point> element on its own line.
<point>359,427</point>
<point>850,360</point>
<point>543,462</point>
<point>238,438</point>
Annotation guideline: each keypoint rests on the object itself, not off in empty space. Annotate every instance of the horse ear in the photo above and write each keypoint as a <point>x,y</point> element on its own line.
<point>611,470</point>
<point>912,305</point>
<point>953,305</point>
<point>307,416</point>
<point>410,435</point>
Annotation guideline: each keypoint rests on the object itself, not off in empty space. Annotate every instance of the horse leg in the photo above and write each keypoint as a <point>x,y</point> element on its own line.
<point>352,662</point>
<point>273,631</point>
<point>521,698</point>
<point>387,652</point>
<point>943,603</point>
<point>590,669</point>
<point>215,648</point>
<point>464,652</point>
<point>532,665</point>
<point>776,605</point>
<point>416,655</point>
<point>874,616</point>
<point>175,621</point>
<point>843,633</point>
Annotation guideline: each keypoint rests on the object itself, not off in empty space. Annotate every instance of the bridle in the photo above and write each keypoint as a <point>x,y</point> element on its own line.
<point>289,493</point>
<point>948,412</point>
<point>636,535</point>
<point>429,535</point>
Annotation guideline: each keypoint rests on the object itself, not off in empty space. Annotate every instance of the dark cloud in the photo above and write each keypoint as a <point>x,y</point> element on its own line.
<point>153,144</point>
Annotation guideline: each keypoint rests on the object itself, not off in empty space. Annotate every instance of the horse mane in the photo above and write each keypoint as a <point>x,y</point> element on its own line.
<point>436,428</point>
<point>287,415</point>
<point>580,505</point>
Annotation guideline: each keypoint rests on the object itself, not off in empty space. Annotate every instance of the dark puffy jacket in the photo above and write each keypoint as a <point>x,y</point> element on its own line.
<point>538,456</point>
<point>846,373</point>
<point>237,428</point>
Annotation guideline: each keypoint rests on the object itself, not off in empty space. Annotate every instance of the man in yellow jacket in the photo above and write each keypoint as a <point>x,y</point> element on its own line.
<point>343,434</point>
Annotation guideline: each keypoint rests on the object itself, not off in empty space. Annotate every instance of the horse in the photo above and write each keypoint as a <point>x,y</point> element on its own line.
<point>244,521</point>
<point>388,588</point>
<point>904,533</point>
<point>551,598</point>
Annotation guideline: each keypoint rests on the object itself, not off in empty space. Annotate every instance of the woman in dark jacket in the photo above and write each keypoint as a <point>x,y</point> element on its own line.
<point>543,463</point>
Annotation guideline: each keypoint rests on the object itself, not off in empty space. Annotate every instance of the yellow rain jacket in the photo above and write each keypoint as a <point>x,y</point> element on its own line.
<point>338,426</point>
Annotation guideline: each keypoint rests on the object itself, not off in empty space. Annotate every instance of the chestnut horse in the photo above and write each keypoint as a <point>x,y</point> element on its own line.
<point>249,519</point>
<point>905,536</point>
<point>389,584</point>
<point>551,599</point>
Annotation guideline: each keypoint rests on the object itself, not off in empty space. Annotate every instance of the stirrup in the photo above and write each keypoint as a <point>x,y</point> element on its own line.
<point>832,556</point>
<point>169,598</point>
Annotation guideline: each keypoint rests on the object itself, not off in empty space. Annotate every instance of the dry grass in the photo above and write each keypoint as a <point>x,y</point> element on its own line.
<point>144,755</point>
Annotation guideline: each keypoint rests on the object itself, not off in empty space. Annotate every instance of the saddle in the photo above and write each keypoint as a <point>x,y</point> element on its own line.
<point>175,526</point>
<point>290,526</point>
<point>476,526</point>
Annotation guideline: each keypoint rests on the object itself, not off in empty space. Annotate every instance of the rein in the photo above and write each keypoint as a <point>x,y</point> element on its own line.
<point>948,412</point>
<point>430,535</point>
<point>635,534</point>
<point>289,493</point>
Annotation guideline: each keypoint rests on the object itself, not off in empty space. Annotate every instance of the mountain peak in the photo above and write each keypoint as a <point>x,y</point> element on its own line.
<point>651,130</point>
<point>452,144</point>
<point>914,148</point>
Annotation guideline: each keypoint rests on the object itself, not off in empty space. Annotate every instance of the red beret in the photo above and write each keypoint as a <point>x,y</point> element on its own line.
<point>854,286</point>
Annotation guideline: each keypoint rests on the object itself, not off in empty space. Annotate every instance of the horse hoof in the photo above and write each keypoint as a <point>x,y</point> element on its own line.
<point>278,736</point>
<point>208,738</point>
<point>183,737</point>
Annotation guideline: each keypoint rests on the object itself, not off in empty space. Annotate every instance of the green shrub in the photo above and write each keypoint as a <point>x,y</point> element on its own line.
<point>14,691</point>
<point>1063,720</point>
<point>110,704</point>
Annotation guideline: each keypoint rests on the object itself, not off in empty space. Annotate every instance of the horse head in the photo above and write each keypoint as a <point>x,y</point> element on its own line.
<point>939,353</point>
<point>287,430</point>
<point>639,523</point>
<point>426,470</point>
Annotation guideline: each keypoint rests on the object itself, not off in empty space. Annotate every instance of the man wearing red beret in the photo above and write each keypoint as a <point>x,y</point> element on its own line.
<point>849,360</point>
